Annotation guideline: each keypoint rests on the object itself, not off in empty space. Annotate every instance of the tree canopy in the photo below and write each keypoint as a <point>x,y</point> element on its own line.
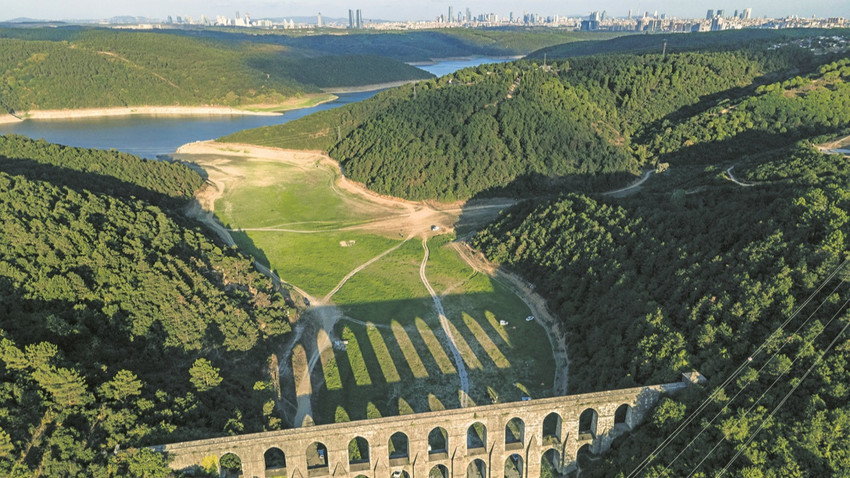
<point>118,315</point>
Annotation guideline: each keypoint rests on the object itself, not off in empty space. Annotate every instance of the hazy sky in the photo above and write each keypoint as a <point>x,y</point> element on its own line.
<point>397,10</point>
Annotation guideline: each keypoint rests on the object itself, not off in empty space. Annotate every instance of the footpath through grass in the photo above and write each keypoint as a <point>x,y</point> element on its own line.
<point>397,356</point>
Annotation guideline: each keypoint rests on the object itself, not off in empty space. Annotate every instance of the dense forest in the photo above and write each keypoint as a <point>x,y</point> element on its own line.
<point>667,282</point>
<point>528,129</point>
<point>121,323</point>
<point>101,68</point>
<point>697,270</point>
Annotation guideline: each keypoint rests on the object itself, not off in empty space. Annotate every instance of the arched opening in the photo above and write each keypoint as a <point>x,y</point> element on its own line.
<point>476,469</point>
<point>552,429</point>
<point>550,464</point>
<point>361,476</point>
<point>438,442</point>
<point>513,466</point>
<point>358,454</point>
<point>476,437</point>
<point>621,416</point>
<point>275,461</point>
<point>514,434</point>
<point>587,424</point>
<point>584,455</point>
<point>439,471</point>
<point>398,449</point>
<point>400,474</point>
<point>231,465</point>
<point>317,456</point>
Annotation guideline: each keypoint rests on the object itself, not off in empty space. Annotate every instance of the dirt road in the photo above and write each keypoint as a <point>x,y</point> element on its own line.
<point>444,323</point>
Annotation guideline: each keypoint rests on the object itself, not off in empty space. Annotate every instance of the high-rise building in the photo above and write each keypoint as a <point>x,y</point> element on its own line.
<point>350,18</point>
<point>748,12</point>
<point>469,15</point>
<point>709,15</point>
<point>319,20</point>
<point>720,13</point>
<point>359,19</point>
<point>451,14</point>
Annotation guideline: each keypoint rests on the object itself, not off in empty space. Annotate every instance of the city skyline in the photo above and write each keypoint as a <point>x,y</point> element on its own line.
<point>387,10</point>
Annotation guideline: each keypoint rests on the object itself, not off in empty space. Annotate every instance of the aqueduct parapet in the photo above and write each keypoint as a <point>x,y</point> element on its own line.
<point>613,413</point>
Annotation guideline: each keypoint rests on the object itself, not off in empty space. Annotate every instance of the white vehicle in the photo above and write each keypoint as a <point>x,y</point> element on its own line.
<point>503,322</point>
<point>529,318</point>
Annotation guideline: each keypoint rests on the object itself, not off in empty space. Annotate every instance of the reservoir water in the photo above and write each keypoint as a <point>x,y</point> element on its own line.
<point>151,136</point>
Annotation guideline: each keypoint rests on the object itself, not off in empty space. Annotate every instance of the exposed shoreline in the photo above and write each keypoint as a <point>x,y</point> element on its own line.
<point>133,110</point>
<point>373,87</point>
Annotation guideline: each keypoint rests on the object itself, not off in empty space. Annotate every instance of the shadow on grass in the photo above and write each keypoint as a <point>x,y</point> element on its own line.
<point>390,360</point>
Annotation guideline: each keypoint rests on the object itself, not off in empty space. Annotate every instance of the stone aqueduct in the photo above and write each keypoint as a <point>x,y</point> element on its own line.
<point>477,441</point>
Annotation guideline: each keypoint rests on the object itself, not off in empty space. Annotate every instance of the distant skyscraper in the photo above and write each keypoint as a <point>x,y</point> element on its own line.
<point>359,19</point>
<point>451,14</point>
<point>319,20</point>
<point>709,15</point>
<point>720,13</point>
<point>748,12</point>
<point>630,15</point>
<point>350,18</point>
<point>469,15</point>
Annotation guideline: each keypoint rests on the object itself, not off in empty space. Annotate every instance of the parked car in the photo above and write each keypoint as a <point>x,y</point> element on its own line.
<point>529,318</point>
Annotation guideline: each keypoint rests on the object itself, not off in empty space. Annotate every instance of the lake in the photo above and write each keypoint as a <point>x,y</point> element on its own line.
<point>151,136</point>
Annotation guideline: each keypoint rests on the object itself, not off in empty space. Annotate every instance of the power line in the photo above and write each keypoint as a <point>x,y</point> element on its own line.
<point>787,395</point>
<point>653,455</point>
<point>775,381</point>
<point>741,390</point>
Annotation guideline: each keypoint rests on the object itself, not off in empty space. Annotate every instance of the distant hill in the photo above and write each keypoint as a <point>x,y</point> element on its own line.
<point>86,68</point>
<point>412,46</point>
<point>681,42</point>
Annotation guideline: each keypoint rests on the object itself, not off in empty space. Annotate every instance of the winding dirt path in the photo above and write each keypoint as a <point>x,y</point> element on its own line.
<point>631,188</point>
<point>444,323</point>
<point>735,180</point>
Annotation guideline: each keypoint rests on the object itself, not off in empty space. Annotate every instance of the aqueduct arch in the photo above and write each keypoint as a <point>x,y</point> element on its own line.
<point>438,442</point>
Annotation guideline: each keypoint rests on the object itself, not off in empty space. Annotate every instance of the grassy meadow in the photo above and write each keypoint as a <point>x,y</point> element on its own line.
<point>398,359</point>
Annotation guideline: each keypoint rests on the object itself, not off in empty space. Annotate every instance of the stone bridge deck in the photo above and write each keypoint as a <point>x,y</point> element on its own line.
<point>506,439</point>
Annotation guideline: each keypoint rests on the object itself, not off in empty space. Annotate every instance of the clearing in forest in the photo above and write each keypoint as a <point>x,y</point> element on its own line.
<point>398,321</point>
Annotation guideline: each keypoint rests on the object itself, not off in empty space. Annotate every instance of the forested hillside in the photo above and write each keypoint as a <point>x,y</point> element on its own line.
<point>696,271</point>
<point>98,68</point>
<point>121,323</point>
<point>524,128</point>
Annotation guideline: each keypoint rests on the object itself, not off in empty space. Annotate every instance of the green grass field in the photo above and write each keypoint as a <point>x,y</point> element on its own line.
<point>286,196</point>
<point>315,262</point>
<point>398,358</point>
